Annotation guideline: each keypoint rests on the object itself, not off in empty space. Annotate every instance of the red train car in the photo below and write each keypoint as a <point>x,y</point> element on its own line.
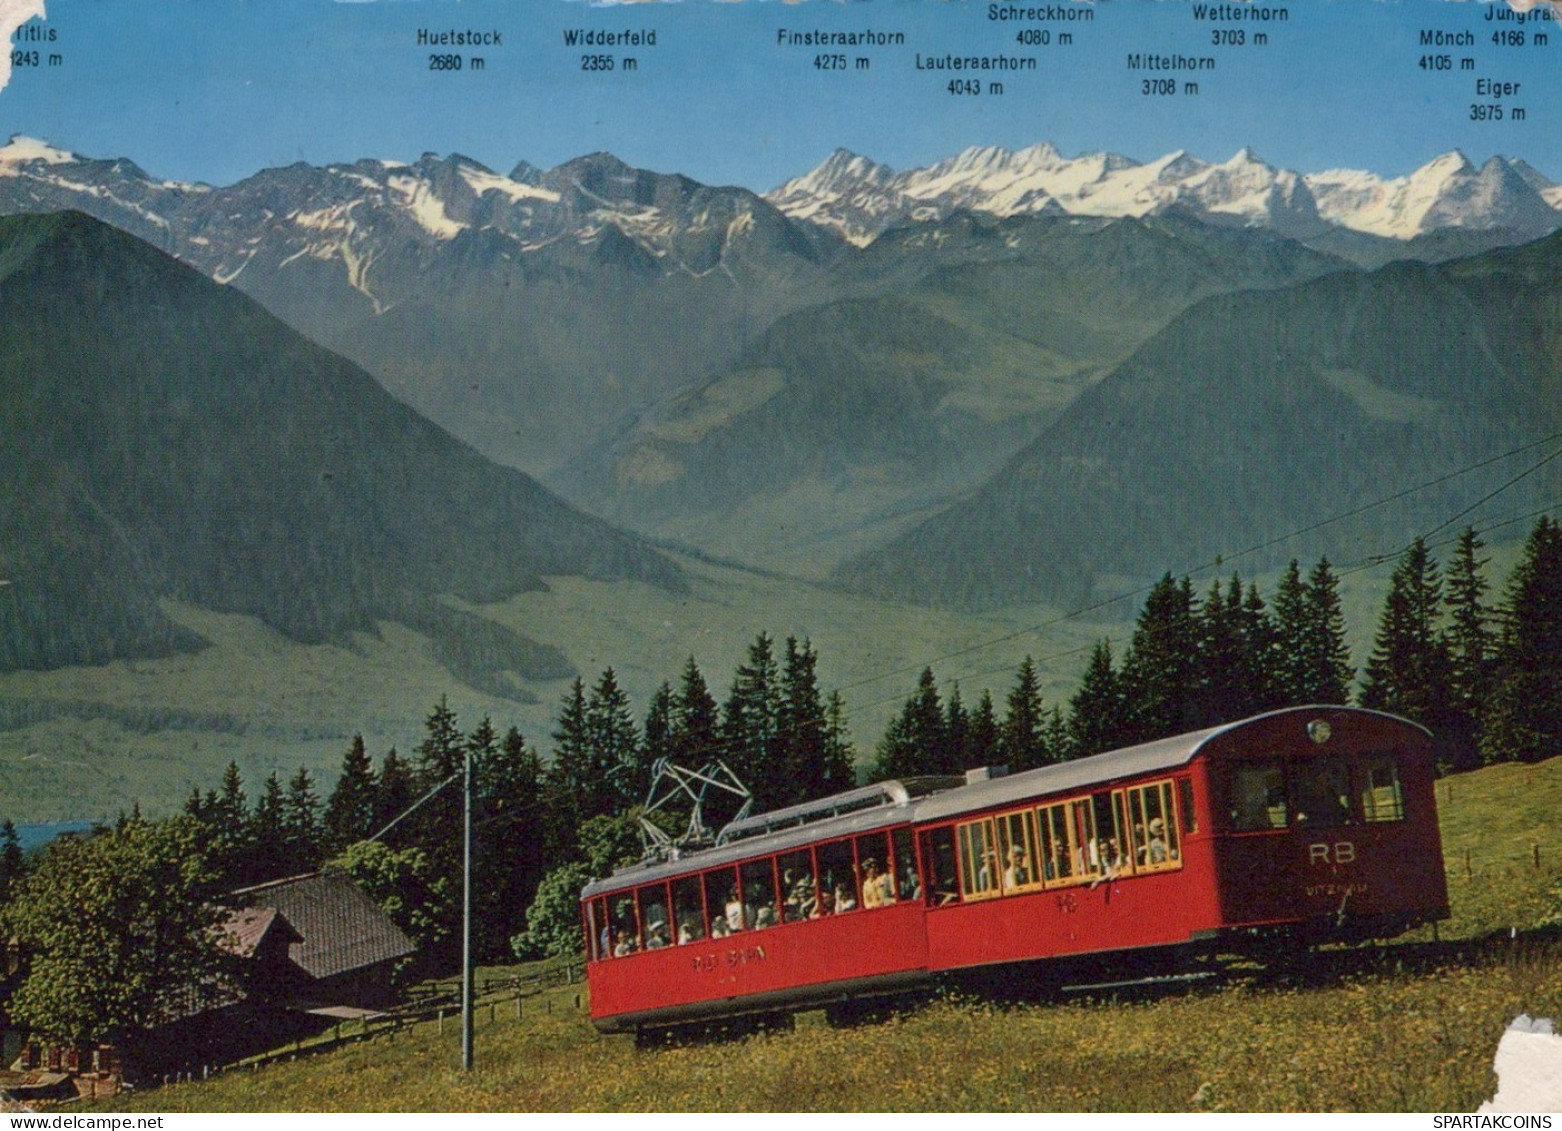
<point>1306,825</point>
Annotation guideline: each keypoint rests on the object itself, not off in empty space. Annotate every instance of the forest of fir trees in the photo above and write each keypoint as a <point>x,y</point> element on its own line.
<point>1479,665</point>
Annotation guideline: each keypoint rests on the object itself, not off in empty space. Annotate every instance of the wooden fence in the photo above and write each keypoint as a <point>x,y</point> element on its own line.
<point>436,1003</point>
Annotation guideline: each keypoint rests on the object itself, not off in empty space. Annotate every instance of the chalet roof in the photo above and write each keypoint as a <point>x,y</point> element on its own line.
<point>246,927</point>
<point>339,928</point>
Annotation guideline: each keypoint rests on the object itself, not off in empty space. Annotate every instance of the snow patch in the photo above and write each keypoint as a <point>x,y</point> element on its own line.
<point>483,182</point>
<point>427,209</point>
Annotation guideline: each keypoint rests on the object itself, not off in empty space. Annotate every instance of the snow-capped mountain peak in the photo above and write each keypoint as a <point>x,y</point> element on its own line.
<point>860,199</point>
<point>21,150</point>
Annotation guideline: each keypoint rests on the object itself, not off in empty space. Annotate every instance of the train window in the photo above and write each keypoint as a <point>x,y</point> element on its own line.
<point>1082,838</point>
<point>599,936</point>
<point>1017,850</point>
<point>1320,792</point>
<point>626,927</point>
<point>1111,845</point>
<point>1382,799</point>
<point>837,878</point>
<point>1057,863</point>
<point>1258,797</point>
<point>1190,817</point>
<point>688,910</point>
<point>978,860</point>
<point>726,907</point>
<point>1153,821</point>
<point>938,850</point>
<point>799,896</point>
<point>908,884</point>
<point>873,862</point>
<point>759,893</point>
<point>654,918</point>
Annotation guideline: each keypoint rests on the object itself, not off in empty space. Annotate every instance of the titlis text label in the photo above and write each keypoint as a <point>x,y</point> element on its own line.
<point>27,53</point>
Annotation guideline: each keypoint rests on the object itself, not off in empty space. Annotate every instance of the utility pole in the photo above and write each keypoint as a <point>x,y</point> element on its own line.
<point>466,915</point>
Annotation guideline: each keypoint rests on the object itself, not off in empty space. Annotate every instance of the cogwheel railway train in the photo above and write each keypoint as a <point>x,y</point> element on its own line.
<point>1296,827</point>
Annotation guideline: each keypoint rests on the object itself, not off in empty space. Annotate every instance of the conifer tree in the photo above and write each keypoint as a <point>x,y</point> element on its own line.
<point>1258,653</point>
<point>349,812</point>
<point>266,856</point>
<point>1160,671</point>
<point>392,792</point>
<point>441,752</point>
<point>658,732</point>
<point>1221,663</point>
<point>198,806</point>
<point>1021,741</point>
<point>1060,740</point>
<point>696,722</point>
<point>1470,644</point>
<point>577,781</point>
<point>839,770</point>
<point>230,831</point>
<point>957,728</point>
<point>1325,667</point>
<point>750,722</point>
<point>1408,671</point>
<point>1524,720</point>
<point>301,822</point>
<point>982,731</point>
<point>1098,711</point>
<point>611,730</point>
<point>510,848</point>
<point>12,862</point>
<point>1289,663</point>
<point>802,735</point>
<point>917,742</point>
<point>436,825</point>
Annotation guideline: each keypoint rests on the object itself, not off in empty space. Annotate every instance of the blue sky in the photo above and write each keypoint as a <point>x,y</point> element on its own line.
<point>216,89</point>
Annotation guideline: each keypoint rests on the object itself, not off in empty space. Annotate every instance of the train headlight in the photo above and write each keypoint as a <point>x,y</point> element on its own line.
<point>1319,731</point>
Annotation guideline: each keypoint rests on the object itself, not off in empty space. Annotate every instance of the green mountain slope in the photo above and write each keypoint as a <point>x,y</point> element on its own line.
<point>853,416</point>
<point>1257,414</point>
<point>165,437</point>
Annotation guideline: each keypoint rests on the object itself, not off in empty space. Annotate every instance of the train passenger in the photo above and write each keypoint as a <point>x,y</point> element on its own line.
<point>625,945</point>
<point>1104,854</point>
<point>1155,851</point>
<point>910,882</point>
<point>1017,874</point>
<point>656,936</point>
<point>876,888</point>
<point>765,916</point>
<point>718,928</point>
<point>734,911</point>
<point>689,931</point>
<point>844,899</point>
<point>801,901</point>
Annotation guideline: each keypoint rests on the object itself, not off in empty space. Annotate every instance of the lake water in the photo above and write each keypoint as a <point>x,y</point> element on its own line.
<point>36,836</point>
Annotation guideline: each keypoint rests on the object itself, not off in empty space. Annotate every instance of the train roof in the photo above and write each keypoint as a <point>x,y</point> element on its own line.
<point>861,810</point>
<point>775,832</point>
<point>1114,765</point>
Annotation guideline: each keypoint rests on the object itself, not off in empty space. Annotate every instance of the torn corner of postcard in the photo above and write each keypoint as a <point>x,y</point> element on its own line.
<point>1528,1067</point>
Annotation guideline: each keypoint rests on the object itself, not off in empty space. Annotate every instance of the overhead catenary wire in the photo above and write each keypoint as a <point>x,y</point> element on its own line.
<point>1223,559</point>
<point>726,746</point>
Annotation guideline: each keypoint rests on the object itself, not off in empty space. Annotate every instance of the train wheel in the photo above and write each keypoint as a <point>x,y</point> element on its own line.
<point>654,1038</point>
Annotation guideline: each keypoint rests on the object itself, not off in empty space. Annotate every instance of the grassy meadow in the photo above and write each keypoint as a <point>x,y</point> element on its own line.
<point>84,742</point>
<point>1409,1028</point>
